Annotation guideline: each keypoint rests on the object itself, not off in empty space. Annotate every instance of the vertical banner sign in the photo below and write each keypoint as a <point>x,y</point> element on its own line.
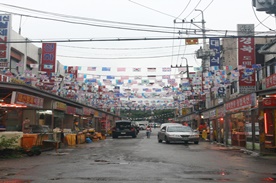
<point>48,59</point>
<point>246,52</point>
<point>5,29</point>
<point>215,46</point>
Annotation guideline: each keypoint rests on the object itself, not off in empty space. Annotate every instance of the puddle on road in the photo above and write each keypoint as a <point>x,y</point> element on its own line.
<point>15,181</point>
<point>208,172</point>
<point>105,162</point>
<point>215,179</point>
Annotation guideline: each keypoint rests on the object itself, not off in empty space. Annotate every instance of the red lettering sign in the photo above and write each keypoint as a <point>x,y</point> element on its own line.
<point>270,81</point>
<point>269,102</point>
<point>242,102</point>
<point>48,58</point>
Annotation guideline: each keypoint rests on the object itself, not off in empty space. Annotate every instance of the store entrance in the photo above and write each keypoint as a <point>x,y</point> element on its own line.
<point>269,128</point>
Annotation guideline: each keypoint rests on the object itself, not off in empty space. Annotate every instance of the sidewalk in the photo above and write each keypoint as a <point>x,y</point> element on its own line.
<point>243,150</point>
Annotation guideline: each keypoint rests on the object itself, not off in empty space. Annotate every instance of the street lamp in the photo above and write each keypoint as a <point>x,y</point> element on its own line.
<point>203,28</point>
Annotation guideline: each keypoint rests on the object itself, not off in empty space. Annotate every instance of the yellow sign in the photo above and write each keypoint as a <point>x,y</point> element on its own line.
<point>60,106</point>
<point>184,111</point>
<point>96,114</point>
<point>191,41</point>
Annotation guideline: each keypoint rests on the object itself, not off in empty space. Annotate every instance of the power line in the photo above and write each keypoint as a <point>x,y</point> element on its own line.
<point>259,20</point>
<point>204,8</point>
<point>95,25</point>
<point>125,39</point>
<point>193,9</point>
<point>153,9</point>
<point>106,21</point>
<point>122,58</point>
<point>127,28</point>
<point>85,18</point>
<point>184,9</point>
<point>102,48</point>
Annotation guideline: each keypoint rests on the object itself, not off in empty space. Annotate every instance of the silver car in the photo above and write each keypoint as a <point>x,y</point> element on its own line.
<point>171,133</point>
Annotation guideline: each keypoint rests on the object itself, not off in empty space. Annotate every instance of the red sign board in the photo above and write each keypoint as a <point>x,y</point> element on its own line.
<point>246,51</point>
<point>48,60</point>
<point>87,111</point>
<point>246,58</point>
<point>71,110</point>
<point>242,102</point>
<point>270,81</point>
<point>269,102</point>
<point>5,27</point>
<point>25,99</point>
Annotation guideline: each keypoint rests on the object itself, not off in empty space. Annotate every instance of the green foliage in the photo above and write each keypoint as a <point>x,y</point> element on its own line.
<point>8,143</point>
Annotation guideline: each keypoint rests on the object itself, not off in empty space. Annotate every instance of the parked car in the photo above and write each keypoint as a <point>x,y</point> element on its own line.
<point>169,133</point>
<point>142,126</point>
<point>124,128</point>
<point>136,126</point>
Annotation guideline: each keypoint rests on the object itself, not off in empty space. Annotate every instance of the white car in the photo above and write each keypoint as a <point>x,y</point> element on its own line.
<point>167,124</point>
<point>169,133</point>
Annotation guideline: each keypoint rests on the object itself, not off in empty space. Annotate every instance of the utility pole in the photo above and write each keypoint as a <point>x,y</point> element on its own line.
<point>188,76</point>
<point>204,53</point>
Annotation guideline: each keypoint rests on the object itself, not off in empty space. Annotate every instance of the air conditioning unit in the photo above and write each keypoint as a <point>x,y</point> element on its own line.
<point>263,5</point>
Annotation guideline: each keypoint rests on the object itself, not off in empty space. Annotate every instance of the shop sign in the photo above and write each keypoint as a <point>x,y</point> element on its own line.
<point>5,21</point>
<point>184,111</point>
<point>270,81</point>
<point>71,110</point>
<point>59,106</point>
<point>242,102</point>
<point>96,113</point>
<point>205,115</point>
<point>220,112</point>
<point>25,99</point>
<point>48,58</point>
<point>87,111</point>
<point>213,113</point>
<point>79,111</point>
<point>246,57</point>
<point>269,102</point>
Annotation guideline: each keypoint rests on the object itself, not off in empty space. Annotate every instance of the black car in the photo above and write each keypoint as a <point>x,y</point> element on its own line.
<point>124,128</point>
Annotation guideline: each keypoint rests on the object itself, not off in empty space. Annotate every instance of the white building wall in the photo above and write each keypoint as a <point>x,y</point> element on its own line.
<point>32,50</point>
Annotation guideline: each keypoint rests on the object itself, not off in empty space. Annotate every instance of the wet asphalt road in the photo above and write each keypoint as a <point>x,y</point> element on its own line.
<point>140,160</point>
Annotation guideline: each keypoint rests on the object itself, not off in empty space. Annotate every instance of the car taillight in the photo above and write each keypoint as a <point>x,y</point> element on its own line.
<point>132,129</point>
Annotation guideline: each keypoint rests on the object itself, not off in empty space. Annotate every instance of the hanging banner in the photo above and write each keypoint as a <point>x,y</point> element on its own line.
<point>48,60</point>
<point>246,58</point>
<point>215,46</point>
<point>73,70</point>
<point>5,29</point>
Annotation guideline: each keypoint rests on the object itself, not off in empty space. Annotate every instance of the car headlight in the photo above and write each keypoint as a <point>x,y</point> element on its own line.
<point>194,136</point>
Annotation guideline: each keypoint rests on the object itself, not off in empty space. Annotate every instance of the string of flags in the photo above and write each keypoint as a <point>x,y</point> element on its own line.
<point>85,87</point>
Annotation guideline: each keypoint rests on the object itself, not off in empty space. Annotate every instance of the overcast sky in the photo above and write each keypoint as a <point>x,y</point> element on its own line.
<point>219,15</point>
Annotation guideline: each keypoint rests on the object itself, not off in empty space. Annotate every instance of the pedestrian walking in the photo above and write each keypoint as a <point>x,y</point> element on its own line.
<point>148,131</point>
<point>26,128</point>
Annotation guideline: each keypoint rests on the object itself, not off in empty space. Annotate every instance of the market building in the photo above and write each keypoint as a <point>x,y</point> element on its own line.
<point>28,91</point>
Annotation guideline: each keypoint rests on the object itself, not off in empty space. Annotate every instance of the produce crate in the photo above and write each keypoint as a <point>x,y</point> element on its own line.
<point>71,139</point>
<point>29,140</point>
